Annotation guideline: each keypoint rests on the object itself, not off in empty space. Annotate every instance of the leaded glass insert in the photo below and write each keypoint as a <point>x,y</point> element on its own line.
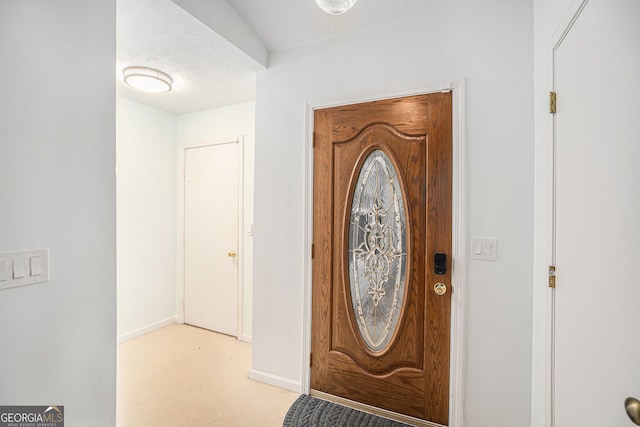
<point>377,250</point>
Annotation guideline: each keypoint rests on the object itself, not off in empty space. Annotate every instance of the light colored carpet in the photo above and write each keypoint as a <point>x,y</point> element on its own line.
<point>186,376</point>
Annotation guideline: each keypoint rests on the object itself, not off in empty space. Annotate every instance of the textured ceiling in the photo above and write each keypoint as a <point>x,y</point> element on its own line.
<point>208,71</point>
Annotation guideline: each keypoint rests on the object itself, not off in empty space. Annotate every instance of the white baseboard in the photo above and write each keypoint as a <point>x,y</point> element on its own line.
<point>276,381</point>
<point>246,338</point>
<point>146,329</point>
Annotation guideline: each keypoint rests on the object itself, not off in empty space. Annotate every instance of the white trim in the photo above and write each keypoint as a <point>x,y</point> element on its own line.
<point>240,236</point>
<point>306,249</point>
<point>246,338</point>
<point>234,140</point>
<point>146,329</point>
<point>180,285</point>
<point>570,18</point>
<point>459,255</point>
<point>459,240</point>
<point>399,93</point>
<point>567,22</point>
<point>276,381</point>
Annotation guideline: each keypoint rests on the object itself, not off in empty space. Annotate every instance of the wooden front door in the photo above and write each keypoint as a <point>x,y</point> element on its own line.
<point>382,242</point>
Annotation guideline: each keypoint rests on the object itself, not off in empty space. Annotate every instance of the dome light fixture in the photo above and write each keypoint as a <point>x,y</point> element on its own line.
<point>147,79</point>
<point>335,7</point>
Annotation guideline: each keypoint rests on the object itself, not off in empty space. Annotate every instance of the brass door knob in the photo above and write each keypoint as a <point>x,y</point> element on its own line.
<point>632,406</point>
<point>440,289</point>
<point>232,254</point>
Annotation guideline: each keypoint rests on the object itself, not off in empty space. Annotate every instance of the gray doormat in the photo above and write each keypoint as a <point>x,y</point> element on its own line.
<point>310,411</point>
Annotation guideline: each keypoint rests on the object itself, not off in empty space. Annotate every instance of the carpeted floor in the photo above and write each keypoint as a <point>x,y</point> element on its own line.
<point>185,376</point>
<point>309,411</point>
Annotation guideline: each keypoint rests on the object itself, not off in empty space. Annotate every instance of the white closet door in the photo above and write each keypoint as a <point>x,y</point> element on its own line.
<point>597,81</point>
<point>211,237</point>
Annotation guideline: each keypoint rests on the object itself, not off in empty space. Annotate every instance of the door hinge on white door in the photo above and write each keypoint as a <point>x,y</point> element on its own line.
<point>552,102</point>
<point>552,276</point>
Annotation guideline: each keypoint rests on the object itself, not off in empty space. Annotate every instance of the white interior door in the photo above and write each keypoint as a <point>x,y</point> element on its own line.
<point>211,237</point>
<point>597,298</point>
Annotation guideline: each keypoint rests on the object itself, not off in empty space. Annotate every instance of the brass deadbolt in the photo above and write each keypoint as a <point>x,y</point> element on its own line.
<point>440,289</point>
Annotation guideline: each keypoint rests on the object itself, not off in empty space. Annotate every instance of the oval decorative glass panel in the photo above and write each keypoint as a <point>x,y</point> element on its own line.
<point>377,250</point>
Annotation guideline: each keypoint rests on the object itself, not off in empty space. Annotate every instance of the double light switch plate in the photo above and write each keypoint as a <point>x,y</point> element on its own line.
<point>484,248</point>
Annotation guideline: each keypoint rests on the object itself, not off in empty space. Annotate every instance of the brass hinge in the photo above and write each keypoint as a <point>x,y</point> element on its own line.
<point>552,276</point>
<point>313,141</point>
<point>310,359</point>
<point>313,250</point>
<point>552,102</point>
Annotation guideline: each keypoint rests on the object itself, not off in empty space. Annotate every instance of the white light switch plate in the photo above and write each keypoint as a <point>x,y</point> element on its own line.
<point>484,248</point>
<point>24,268</point>
<point>3,271</point>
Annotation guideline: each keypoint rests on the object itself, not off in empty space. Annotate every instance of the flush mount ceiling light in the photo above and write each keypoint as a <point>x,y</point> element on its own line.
<point>336,7</point>
<point>147,79</point>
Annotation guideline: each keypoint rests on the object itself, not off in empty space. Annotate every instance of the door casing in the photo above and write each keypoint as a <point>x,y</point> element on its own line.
<point>459,240</point>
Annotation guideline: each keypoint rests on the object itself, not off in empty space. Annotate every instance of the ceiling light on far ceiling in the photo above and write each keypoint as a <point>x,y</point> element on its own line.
<point>147,79</point>
<point>336,7</point>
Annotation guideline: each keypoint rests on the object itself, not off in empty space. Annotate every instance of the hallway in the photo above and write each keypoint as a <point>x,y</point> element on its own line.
<point>185,376</point>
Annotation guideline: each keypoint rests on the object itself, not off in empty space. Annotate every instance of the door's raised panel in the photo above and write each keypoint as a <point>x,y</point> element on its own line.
<point>407,156</point>
<point>389,392</point>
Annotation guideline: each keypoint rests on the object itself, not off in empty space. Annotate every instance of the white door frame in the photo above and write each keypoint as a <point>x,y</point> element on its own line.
<point>565,26</point>
<point>180,291</point>
<point>459,239</point>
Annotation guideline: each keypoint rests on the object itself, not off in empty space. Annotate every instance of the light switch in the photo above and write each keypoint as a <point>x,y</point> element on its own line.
<point>477,248</point>
<point>3,270</point>
<point>483,248</point>
<point>21,268</point>
<point>35,264</point>
<point>18,269</point>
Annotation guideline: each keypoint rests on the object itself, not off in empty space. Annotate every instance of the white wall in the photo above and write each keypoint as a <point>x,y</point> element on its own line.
<point>58,191</point>
<point>218,125</point>
<point>146,217</point>
<point>150,158</point>
<point>548,15</point>
<point>489,43</point>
